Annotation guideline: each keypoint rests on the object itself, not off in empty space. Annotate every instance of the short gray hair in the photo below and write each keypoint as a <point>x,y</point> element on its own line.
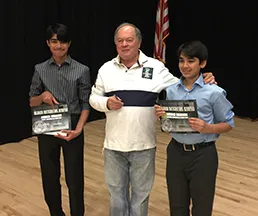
<point>137,31</point>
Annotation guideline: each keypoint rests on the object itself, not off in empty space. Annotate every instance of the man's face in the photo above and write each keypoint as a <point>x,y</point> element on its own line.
<point>58,49</point>
<point>190,67</point>
<point>127,44</point>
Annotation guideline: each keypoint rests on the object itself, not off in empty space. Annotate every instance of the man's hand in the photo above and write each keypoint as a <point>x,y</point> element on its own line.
<point>159,111</point>
<point>70,134</point>
<point>114,103</point>
<point>209,78</point>
<point>48,98</point>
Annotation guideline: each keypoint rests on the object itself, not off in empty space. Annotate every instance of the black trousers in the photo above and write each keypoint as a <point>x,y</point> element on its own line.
<point>49,155</point>
<point>191,176</point>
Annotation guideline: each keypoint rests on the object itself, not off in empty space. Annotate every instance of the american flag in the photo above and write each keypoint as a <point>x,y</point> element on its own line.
<point>162,30</point>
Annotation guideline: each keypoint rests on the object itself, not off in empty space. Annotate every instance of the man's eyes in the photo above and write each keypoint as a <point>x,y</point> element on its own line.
<point>55,41</point>
<point>126,40</point>
<point>189,60</point>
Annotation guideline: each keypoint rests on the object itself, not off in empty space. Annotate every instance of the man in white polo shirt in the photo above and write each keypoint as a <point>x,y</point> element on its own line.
<point>126,89</point>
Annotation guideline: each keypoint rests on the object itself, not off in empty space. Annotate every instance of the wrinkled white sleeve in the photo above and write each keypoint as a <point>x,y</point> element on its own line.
<point>166,78</point>
<point>98,100</point>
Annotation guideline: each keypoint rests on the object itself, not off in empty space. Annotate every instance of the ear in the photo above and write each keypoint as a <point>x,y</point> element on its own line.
<point>139,45</point>
<point>47,41</point>
<point>203,63</point>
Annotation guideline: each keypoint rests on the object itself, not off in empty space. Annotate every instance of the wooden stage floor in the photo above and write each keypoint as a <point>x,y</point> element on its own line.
<point>237,181</point>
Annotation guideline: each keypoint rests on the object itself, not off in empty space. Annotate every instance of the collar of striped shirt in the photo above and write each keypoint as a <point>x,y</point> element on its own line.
<point>68,60</point>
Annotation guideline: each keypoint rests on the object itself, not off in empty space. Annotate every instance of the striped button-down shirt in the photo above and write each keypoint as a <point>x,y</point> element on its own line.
<point>69,83</point>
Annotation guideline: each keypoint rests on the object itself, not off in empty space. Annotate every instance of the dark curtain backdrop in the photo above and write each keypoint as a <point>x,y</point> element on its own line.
<point>229,31</point>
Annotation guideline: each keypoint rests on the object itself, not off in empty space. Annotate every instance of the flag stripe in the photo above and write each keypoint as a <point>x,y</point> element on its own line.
<point>161,31</point>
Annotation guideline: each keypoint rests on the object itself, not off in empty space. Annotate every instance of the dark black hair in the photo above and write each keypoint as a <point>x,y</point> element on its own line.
<point>193,49</point>
<point>60,30</point>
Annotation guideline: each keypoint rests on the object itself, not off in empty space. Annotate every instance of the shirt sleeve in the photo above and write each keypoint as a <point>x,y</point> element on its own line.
<point>98,100</point>
<point>36,87</point>
<point>84,88</point>
<point>166,78</point>
<point>222,109</point>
